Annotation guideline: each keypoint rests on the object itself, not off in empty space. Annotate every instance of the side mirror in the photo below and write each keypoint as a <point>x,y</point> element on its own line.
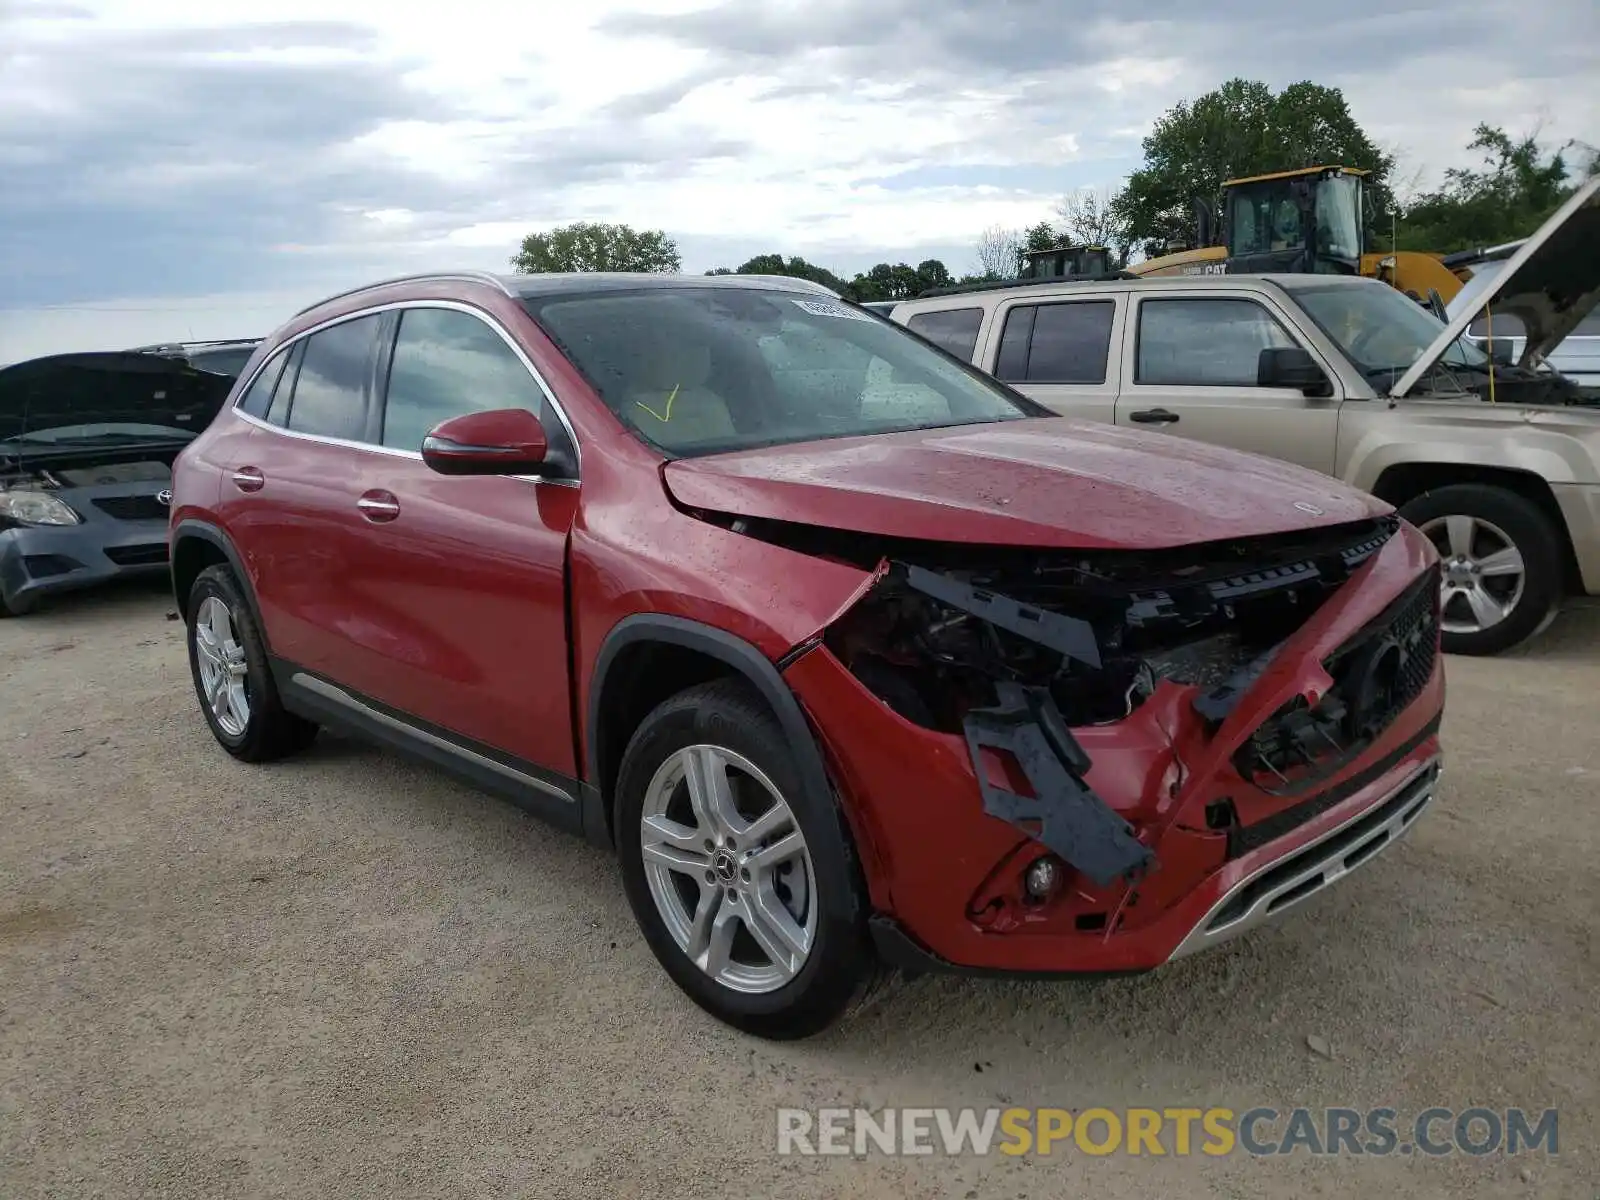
<point>1292,367</point>
<point>503,441</point>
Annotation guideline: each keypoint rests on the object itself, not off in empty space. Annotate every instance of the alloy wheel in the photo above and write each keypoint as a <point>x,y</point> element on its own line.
<point>224,673</point>
<point>1482,573</point>
<point>728,869</point>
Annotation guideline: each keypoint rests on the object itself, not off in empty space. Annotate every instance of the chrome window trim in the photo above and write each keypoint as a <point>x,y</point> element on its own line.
<point>400,305</point>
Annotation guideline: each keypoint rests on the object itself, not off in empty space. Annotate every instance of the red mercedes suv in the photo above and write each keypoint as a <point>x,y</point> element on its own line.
<point>858,659</point>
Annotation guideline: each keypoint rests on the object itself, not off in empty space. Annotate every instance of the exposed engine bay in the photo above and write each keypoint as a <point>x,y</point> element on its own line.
<point>1096,631</point>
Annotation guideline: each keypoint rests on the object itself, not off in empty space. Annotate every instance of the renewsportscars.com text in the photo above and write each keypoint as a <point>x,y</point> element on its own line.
<point>1179,1132</point>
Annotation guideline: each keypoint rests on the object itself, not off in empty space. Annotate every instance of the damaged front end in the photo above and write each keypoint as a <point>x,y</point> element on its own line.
<point>1015,654</point>
<point>1092,691</point>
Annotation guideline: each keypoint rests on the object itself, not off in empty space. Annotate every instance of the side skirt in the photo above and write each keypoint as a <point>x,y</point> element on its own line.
<point>544,794</point>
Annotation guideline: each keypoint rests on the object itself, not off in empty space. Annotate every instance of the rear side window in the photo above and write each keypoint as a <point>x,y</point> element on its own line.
<point>1205,343</point>
<point>258,398</point>
<point>447,364</point>
<point>1064,342</point>
<point>330,391</point>
<point>954,330</point>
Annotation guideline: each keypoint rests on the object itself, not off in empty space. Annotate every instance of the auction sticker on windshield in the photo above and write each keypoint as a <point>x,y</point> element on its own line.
<point>821,308</point>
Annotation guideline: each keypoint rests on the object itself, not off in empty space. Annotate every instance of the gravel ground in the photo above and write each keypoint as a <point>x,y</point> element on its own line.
<point>348,976</point>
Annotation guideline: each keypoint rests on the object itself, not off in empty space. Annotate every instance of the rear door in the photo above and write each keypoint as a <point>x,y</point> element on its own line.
<point>1061,352</point>
<point>1190,364</point>
<point>290,498</point>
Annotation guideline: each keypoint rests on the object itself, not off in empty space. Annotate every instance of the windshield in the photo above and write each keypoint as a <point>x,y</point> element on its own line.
<point>702,370</point>
<point>1379,329</point>
<point>1339,217</point>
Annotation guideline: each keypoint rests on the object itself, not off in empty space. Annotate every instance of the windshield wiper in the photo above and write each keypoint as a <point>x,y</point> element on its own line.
<point>98,439</point>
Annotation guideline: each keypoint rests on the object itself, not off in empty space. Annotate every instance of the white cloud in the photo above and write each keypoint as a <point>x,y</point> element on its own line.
<point>500,118</point>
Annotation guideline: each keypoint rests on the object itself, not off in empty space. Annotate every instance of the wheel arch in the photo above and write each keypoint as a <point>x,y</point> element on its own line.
<point>1401,483</point>
<point>645,659</point>
<point>197,545</point>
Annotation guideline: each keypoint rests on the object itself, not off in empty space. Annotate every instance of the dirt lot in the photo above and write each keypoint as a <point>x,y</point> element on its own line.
<point>348,976</point>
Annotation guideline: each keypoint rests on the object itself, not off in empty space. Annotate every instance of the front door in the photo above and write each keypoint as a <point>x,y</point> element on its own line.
<point>458,596</point>
<point>1191,371</point>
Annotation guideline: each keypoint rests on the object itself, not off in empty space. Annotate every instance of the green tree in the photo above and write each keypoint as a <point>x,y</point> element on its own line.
<point>592,246</point>
<point>1517,187</point>
<point>1090,218</point>
<point>883,282</point>
<point>1243,128</point>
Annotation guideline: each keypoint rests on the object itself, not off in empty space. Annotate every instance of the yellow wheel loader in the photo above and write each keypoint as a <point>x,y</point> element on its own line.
<point>1307,220</point>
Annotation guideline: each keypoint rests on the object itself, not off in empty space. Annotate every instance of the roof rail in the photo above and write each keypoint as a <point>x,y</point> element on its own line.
<point>486,277</point>
<point>957,289</point>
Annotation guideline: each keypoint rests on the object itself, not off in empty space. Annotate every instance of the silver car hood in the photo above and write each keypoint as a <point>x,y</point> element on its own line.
<point>1551,283</point>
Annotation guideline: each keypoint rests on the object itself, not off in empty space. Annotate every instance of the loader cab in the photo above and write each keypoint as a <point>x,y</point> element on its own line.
<point>1310,220</point>
<point>1067,262</point>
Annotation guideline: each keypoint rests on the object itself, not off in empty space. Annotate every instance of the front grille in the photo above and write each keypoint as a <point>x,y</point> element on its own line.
<point>1376,675</point>
<point>138,556</point>
<point>132,508</point>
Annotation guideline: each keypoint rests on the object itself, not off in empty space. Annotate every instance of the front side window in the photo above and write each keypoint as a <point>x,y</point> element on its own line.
<point>954,329</point>
<point>1205,343</point>
<point>330,392</point>
<point>447,364</point>
<point>702,370</point>
<point>1063,342</point>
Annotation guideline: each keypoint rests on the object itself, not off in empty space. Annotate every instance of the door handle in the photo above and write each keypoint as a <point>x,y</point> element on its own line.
<point>248,479</point>
<point>1154,416</point>
<point>378,506</point>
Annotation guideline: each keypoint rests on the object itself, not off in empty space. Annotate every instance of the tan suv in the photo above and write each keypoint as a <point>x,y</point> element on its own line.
<point>1497,461</point>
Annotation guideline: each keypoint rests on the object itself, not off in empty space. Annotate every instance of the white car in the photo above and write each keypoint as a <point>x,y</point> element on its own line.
<point>1577,356</point>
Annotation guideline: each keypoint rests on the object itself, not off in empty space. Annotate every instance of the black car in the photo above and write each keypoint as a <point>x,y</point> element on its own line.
<point>86,449</point>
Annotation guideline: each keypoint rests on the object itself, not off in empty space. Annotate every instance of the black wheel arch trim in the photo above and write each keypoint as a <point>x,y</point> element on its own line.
<point>747,661</point>
<point>192,527</point>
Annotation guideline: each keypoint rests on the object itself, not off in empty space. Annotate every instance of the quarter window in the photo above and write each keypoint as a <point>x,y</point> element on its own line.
<point>283,394</point>
<point>330,391</point>
<point>1205,343</point>
<point>954,329</point>
<point>446,364</point>
<point>259,396</point>
<point>1064,342</point>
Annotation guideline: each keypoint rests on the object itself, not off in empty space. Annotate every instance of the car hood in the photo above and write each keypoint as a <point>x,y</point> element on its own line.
<point>1046,481</point>
<point>107,388</point>
<point>1551,284</point>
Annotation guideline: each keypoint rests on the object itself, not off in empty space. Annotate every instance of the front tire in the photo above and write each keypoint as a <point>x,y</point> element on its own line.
<point>232,680</point>
<point>1501,562</point>
<point>17,606</point>
<point>745,886</point>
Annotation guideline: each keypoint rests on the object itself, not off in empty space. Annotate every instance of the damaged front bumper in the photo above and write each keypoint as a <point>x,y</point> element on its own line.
<point>1206,810</point>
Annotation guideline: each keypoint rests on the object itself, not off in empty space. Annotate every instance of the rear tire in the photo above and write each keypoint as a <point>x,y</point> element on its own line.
<point>1502,565</point>
<point>232,680</point>
<point>713,924</point>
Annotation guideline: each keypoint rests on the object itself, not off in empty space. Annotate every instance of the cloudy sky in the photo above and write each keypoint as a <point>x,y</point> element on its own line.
<point>171,171</point>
